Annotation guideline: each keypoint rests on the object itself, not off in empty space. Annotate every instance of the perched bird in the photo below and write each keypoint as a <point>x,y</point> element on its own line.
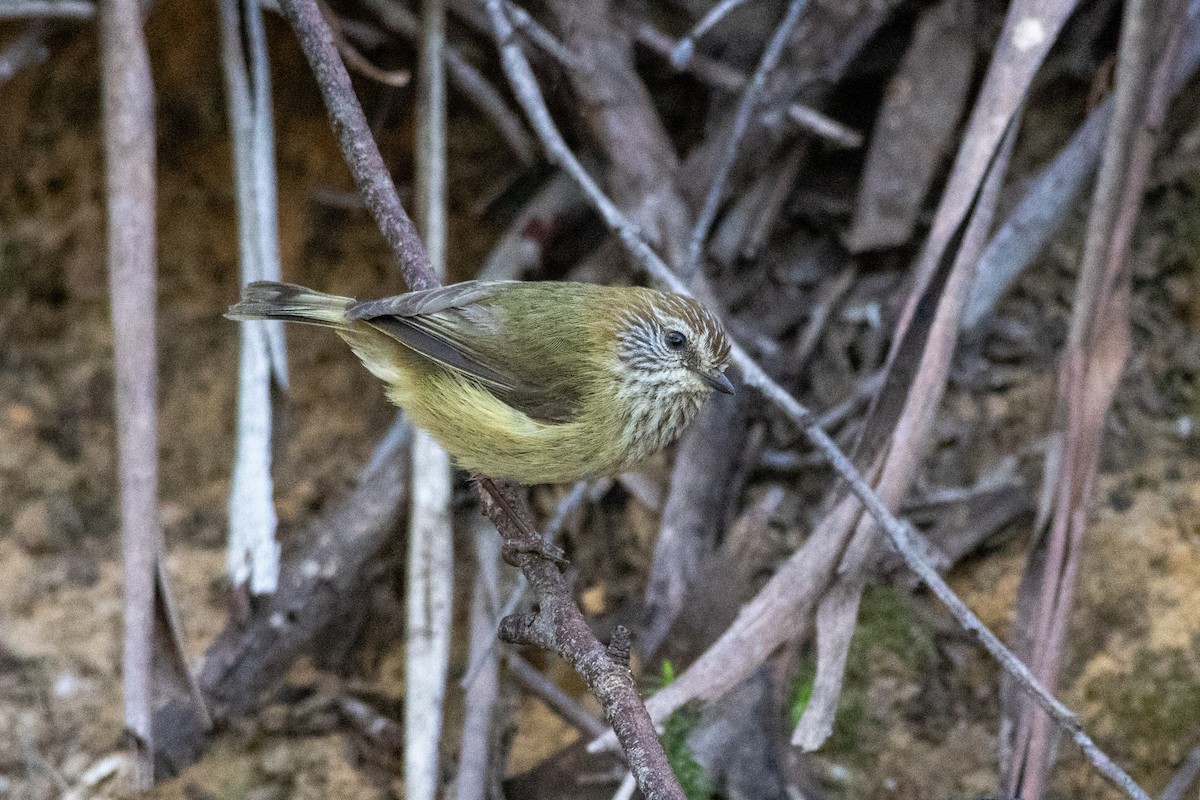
<point>539,382</point>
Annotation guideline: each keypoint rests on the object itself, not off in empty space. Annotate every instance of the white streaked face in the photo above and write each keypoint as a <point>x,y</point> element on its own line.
<point>673,358</point>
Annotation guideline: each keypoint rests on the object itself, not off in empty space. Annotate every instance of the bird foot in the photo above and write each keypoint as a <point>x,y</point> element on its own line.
<point>514,547</point>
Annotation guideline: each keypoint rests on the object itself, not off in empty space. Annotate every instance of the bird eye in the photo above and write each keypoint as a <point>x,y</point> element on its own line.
<point>676,340</point>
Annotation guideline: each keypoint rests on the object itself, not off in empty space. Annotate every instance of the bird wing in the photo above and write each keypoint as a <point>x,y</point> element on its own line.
<point>454,327</point>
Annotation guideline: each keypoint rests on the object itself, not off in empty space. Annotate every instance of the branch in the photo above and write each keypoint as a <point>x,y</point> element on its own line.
<point>560,624</point>
<point>430,563</point>
<point>525,87</point>
<point>253,552</point>
<point>741,122</point>
<point>683,51</point>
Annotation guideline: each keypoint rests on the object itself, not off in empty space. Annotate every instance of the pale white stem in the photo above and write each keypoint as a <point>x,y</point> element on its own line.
<point>253,553</point>
<point>430,536</point>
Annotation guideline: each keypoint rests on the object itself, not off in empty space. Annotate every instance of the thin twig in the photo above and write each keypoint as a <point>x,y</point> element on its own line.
<point>720,75</point>
<point>525,87</point>
<point>47,9</point>
<point>541,38</point>
<point>687,45</point>
<point>430,567</point>
<point>466,78</point>
<point>741,123</point>
<point>474,777</point>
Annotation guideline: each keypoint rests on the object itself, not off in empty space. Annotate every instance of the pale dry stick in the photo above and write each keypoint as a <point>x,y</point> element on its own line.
<point>524,85</point>
<point>720,75</point>
<point>430,563</point>
<point>543,39</point>
<point>473,779</point>
<point>266,181</point>
<point>130,191</point>
<point>47,9</point>
<point>252,552</point>
<point>1098,345</point>
<point>466,78</point>
<point>559,625</point>
<point>683,51</point>
<point>737,130</point>
<point>1183,779</point>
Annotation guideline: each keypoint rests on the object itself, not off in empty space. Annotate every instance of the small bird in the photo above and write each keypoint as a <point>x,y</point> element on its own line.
<point>538,382</point>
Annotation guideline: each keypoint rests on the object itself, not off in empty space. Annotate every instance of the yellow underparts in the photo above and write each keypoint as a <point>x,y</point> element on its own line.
<point>482,433</point>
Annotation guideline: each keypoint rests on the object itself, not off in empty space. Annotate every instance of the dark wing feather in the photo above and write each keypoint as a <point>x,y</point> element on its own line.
<point>449,326</point>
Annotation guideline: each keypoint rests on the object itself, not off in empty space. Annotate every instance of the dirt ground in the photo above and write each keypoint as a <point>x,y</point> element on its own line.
<point>927,727</point>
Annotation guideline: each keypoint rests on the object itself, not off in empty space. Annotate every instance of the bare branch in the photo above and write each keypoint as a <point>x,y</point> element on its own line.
<point>129,173</point>
<point>559,626</point>
<point>430,564</point>
<point>683,51</point>
<point>47,9</point>
<point>737,129</point>
<point>253,553</point>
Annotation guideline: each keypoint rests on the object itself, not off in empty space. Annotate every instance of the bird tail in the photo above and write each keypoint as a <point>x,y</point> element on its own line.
<point>287,301</point>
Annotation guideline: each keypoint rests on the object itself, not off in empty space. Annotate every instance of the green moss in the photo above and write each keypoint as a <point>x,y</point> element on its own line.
<point>889,637</point>
<point>1156,704</point>
<point>692,778</point>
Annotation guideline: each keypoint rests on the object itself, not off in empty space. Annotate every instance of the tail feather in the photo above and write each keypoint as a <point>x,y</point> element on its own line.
<point>287,301</point>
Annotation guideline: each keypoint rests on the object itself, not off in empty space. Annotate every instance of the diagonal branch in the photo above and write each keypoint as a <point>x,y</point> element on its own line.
<point>525,88</point>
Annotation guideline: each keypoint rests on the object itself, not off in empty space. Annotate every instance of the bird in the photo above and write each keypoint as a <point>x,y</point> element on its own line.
<point>538,382</point>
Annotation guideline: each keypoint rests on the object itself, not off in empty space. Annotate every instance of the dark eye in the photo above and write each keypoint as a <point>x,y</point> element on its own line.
<point>676,340</point>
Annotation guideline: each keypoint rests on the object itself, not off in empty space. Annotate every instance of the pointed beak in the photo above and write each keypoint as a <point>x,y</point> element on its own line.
<point>716,380</point>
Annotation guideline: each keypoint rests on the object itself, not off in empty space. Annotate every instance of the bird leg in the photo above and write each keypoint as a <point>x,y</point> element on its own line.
<point>529,542</point>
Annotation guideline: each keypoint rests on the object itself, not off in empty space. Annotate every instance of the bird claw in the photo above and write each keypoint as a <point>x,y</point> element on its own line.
<point>543,549</point>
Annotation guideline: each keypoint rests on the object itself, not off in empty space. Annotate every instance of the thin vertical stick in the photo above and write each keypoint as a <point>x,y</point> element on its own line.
<point>474,777</point>
<point>430,538</point>
<point>253,553</point>
<point>129,172</point>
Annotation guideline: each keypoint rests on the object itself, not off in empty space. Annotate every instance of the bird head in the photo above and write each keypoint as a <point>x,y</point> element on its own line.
<point>672,346</point>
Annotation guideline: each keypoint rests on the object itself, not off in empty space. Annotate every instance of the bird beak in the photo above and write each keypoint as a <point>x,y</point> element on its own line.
<point>716,380</point>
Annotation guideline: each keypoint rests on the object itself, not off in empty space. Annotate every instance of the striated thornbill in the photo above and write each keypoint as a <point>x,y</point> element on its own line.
<point>541,382</point>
